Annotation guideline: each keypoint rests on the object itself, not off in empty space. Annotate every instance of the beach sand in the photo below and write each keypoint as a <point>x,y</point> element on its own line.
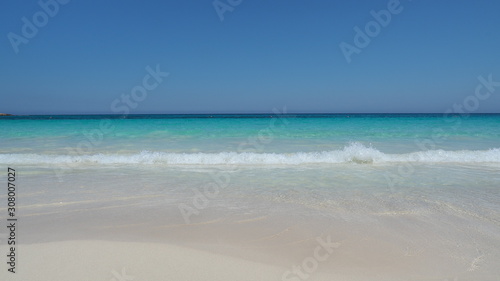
<point>100,225</point>
<point>246,249</point>
<point>107,260</point>
<point>113,260</point>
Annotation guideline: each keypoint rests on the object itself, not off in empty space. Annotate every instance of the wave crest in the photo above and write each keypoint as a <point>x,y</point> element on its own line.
<point>353,153</point>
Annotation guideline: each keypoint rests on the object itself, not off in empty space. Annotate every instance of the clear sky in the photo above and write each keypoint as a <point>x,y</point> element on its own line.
<point>84,55</point>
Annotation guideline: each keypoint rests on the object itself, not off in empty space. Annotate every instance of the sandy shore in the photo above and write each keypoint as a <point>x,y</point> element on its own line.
<point>321,259</point>
<point>120,261</point>
<point>107,226</point>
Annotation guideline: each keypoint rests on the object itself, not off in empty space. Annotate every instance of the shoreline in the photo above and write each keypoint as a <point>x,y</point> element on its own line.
<point>355,249</point>
<point>104,260</point>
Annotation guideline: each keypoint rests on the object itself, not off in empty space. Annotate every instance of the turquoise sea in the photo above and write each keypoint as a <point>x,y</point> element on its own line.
<point>389,134</point>
<point>424,185</point>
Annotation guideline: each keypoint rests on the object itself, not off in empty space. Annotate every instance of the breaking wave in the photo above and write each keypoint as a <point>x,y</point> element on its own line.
<point>353,153</point>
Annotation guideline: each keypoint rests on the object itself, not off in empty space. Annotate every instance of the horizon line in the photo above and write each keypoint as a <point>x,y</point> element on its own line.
<point>236,113</point>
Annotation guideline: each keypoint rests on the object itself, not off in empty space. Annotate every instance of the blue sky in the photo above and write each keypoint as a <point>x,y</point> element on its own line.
<point>262,55</point>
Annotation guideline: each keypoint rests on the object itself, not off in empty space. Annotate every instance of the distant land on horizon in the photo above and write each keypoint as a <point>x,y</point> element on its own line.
<point>247,113</point>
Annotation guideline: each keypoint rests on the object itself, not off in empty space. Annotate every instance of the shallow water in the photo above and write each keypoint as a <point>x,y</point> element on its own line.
<point>420,193</point>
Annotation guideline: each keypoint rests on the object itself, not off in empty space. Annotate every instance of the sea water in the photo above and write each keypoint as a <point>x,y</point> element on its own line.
<point>427,183</point>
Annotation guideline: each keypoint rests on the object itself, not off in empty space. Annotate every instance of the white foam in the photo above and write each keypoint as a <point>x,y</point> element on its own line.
<point>353,153</point>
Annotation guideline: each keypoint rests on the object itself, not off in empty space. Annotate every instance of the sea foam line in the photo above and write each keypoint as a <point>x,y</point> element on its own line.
<point>353,153</point>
